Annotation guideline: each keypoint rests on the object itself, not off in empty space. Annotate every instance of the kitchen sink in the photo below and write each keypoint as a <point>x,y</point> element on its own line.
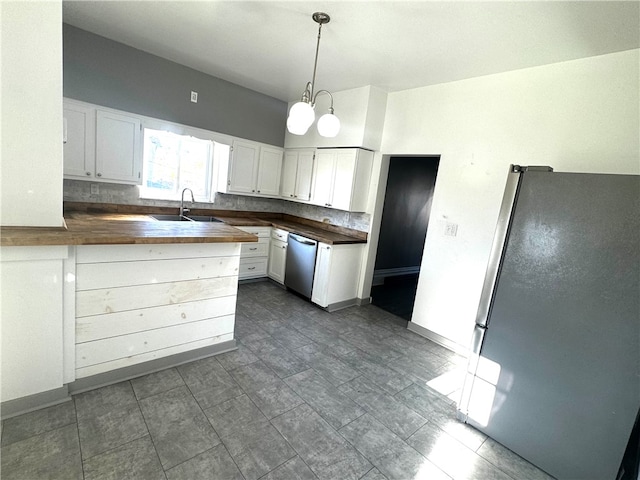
<point>181,218</point>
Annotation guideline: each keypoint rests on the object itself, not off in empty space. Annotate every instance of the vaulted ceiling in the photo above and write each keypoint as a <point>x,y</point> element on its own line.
<point>269,46</point>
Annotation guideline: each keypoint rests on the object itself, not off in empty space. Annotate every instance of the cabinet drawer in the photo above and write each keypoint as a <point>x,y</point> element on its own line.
<point>259,249</point>
<point>259,231</point>
<point>252,267</point>
<point>279,234</point>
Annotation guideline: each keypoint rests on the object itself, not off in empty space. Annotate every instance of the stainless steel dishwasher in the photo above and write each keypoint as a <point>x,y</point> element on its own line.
<point>301,264</point>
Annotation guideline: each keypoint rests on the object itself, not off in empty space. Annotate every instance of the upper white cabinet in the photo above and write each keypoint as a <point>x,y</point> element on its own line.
<point>253,169</point>
<point>79,140</point>
<point>101,145</point>
<point>297,171</point>
<point>118,148</point>
<point>341,178</point>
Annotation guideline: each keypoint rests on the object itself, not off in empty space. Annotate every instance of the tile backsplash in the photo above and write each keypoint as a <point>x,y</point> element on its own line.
<point>80,191</point>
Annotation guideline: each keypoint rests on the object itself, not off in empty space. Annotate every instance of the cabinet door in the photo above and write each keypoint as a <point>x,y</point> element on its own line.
<point>343,179</point>
<point>289,168</point>
<point>118,148</point>
<point>79,144</point>
<point>269,169</point>
<point>323,178</point>
<point>277,260</point>
<point>304,174</point>
<point>244,165</point>
<point>321,277</point>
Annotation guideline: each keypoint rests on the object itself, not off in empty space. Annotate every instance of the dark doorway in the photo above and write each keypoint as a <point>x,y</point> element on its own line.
<point>405,217</point>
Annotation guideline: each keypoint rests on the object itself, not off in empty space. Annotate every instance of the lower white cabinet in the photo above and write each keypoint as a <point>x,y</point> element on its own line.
<point>278,255</point>
<point>335,282</point>
<point>255,256</point>
<point>37,337</point>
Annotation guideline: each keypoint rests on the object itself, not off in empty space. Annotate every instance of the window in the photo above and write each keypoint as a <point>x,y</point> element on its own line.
<point>172,162</point>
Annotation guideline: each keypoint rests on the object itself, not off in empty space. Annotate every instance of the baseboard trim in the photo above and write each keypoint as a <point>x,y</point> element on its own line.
<point>127,373</point>
<point>340,305</point>
<point>363,301</point>
<point>439,339</point>
<point>30,403</point>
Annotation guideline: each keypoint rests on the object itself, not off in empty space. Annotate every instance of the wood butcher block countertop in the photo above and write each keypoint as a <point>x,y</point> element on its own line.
<point>108,224</point>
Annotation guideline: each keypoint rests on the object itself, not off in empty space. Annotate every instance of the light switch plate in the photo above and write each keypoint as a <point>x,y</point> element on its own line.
<point>194,96</point>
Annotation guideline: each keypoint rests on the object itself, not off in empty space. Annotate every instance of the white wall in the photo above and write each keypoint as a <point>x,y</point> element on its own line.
<point>579,116</point>
<point>31,97</point>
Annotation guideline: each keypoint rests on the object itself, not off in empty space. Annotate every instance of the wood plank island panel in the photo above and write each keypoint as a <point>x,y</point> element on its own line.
<point>137,303</point>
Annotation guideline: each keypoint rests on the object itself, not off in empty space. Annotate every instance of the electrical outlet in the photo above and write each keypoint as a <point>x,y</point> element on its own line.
<point>451,229</point>
<point>194,96</point>
<point>95,189</point>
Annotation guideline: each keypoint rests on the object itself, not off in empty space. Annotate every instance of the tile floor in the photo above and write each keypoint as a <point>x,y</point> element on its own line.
<point>307,395</point>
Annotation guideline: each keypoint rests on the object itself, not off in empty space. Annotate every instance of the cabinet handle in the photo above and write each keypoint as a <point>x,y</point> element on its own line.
<point>253,191</point>
<point>229,182</point>
<point>251,268</point>
<point>291,195</point>
<point>284,246</point>
<point>88,174</point>
<point>98,174</point>
<point>254,248</point>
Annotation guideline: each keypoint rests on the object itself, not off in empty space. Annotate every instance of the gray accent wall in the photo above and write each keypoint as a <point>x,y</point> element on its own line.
<point>104,72</point>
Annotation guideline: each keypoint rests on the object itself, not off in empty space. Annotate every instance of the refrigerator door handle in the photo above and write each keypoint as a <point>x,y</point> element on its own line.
<point>498,246</point>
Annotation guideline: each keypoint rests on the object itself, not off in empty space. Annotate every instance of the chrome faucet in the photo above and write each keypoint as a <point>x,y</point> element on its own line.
<point>183,209</point>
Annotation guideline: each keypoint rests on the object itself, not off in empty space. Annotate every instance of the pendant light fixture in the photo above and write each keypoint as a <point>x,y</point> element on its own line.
<point>302,113</point>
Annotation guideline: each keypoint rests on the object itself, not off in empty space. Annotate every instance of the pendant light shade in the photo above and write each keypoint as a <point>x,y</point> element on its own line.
<point>328,125</point>
<point>302,114</point>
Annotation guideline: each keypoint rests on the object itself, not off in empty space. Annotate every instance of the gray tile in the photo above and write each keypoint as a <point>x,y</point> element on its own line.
<point>327,454</point>
<point>24,426</point>
<point>275,399</point>
<point>209,382</point>
<point>370,344</point>
<point>422,368</point>
<point>155,383</point>
<point>321,335</point>
<point>104,399</point>
<point>294,469</point>
<point>393,457</point>
<point>374,474</point>
<point>233,415</point>
<point>244,327</point>
<point>283,362</point>
<point>254,376</point>
<point>237,358</point>
<point>212,465</point>
<point>135,460</point>
<point>178,427</point>
<point>257,449</point>
<point>110,429</point>
<point>52,455</point>
<point>260,344</point>
<point>462,432</point>
<point>334,406</point>
<point>453,457</point>
<point>426,403</point>
<point>331,367</point>
<point>387,378</point>
<point>290,338</point>
<point>398,418</point>
<point>509,462</point>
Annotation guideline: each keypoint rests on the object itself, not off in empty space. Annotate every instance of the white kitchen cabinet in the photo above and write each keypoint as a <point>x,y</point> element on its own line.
<point>335,281</point>
<point>37,325</point>
<point>297,172</point>
<point>254,257</point>
<point>278,255</point>
<point>253,169</point>
<point>341,178</point>
<point>79,140</point>
<point>101,145</point>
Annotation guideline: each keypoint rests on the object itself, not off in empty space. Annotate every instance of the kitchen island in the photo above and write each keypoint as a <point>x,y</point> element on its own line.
<point>103,299</point>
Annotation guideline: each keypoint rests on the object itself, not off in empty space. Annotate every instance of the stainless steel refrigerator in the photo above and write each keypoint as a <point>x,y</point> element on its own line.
<point>554,371</point>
